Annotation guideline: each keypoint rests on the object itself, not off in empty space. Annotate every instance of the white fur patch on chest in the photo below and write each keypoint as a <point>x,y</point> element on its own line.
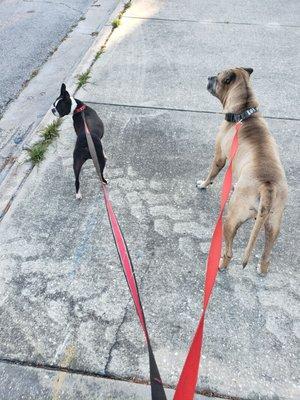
<point>73,105</point>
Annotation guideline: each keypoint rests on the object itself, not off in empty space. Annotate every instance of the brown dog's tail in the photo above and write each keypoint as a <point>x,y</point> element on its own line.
<point>267,194</point>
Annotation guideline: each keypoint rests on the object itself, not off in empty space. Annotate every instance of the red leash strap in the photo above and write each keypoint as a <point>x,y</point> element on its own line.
<point>157,389</point>
<point>188,379</point>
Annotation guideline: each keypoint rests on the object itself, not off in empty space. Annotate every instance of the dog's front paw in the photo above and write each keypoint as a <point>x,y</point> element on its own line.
<point>78,195</point>
<point>201,185</point>
<point>222,267</point>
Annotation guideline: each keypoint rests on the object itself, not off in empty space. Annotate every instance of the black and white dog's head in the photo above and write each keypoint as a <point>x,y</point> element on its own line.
<point>64,104</point>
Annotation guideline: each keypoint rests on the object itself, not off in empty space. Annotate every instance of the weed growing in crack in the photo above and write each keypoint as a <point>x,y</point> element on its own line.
<point>116,22</point>
<point>38,150</point>
<point>98,54</point>
<point>34,73</point>
<point>51,131</point>
<point>83,78</point>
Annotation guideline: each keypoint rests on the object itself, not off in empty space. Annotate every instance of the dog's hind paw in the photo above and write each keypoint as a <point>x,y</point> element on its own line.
<point>201,185</point>
<point>78,195</point>
<point>260,271</point>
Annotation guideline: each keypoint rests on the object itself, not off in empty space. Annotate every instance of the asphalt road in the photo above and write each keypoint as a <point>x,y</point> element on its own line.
<point>29,31</point>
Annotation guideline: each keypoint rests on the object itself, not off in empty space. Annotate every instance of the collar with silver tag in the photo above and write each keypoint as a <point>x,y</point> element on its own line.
<point>230,117</point>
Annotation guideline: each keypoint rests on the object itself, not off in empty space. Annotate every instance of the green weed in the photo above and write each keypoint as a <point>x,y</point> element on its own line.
<point>48,134</point>
<point>83,78</point>
<point>116,22</point>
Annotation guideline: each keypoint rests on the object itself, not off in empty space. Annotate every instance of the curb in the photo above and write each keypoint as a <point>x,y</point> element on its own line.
<point>17,170</point>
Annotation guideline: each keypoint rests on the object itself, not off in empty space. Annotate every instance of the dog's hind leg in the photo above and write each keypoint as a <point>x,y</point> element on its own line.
<point>272,227</point>
<point>77,165</point>
<point>101,156</point>
<point>238,212</point>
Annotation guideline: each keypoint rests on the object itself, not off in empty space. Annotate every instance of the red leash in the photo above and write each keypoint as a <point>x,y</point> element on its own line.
<point>157,389</point>
<point>188,379</point>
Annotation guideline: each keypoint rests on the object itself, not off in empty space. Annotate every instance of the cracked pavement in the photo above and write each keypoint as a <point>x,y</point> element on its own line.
<point>64,300</point>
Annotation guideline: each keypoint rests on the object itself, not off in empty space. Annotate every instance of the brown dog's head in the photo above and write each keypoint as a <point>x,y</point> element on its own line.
<point>232,88</point>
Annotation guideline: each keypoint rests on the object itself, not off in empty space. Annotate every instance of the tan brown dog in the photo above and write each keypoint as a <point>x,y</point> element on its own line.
<point>260,189</point>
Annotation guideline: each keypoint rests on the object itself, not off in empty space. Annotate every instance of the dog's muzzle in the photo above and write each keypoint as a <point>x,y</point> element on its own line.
<point>211,86</point>
<point>54,111</point>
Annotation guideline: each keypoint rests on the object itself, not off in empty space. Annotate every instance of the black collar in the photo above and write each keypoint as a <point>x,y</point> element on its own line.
<point>240,117</point>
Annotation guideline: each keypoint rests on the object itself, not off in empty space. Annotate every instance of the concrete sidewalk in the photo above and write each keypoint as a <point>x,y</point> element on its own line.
<point>65,302</point>
<point>18,383</point>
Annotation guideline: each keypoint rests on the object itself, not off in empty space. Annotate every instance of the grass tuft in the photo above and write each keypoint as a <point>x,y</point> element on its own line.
<point>51,131</point>
<point>83,78</point>
<point>97,55</point>
<point>38,150</point>
<point>34,73</point>
<point>101,51</point>
<point>116,22</point>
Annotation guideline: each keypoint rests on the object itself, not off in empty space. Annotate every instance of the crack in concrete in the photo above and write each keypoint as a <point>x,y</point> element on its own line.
<point>115,343</point>
<point>49,367</point>
<point>106,369</point>
<point>270,25</point>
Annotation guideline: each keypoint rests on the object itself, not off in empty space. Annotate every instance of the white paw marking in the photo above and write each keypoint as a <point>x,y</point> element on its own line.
<point>259,271</point>
<point>201,184</point>
<point>221,268</point>
<point>78,195</point>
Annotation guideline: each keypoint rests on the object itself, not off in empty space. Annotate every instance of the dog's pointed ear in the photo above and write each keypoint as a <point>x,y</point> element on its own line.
<point>249,70</point>
<point>63,91</point>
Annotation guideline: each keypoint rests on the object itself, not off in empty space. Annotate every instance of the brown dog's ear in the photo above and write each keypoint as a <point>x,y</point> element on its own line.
<point>249,70</point>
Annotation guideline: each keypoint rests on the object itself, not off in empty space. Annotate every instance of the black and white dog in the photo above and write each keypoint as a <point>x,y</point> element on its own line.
<point>66,105</point>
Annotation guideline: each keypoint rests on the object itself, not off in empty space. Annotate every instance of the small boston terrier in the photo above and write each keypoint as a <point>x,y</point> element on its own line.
<point>66,105</point>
